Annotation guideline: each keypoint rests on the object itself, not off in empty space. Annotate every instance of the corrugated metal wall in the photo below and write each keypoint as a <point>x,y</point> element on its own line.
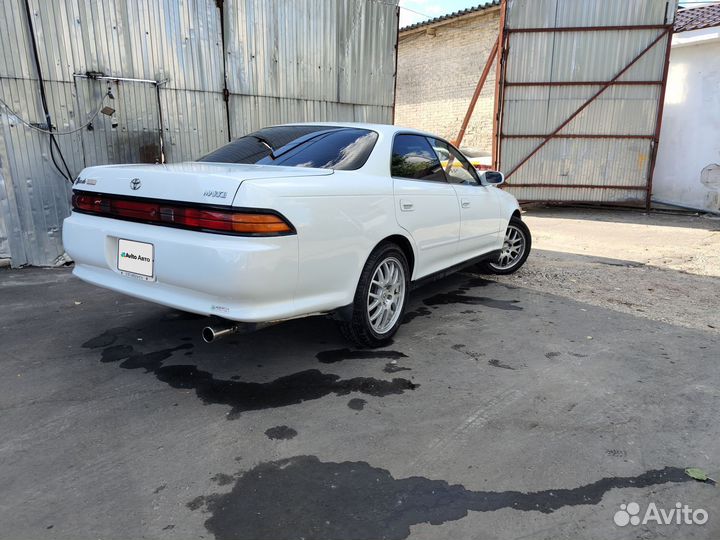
<point>605,153</point>
<point>282,61</point>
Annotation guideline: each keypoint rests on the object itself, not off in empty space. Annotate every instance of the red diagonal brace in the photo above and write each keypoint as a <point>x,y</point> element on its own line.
<point>589,101</point>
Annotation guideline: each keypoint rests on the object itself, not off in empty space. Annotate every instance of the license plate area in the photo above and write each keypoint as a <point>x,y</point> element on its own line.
<point>136,259</point>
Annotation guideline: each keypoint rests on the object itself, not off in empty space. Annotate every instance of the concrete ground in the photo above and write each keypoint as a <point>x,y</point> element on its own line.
<point>660,266</point>
<point>501,410</point>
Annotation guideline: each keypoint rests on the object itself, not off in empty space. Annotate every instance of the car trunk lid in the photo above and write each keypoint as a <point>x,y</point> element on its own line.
<point>191,182</point>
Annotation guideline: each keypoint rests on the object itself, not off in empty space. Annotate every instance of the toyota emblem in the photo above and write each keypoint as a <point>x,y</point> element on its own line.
<point>135,184</point>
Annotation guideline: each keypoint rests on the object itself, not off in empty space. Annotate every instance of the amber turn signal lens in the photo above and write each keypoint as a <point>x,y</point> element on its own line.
<point>259,224</point>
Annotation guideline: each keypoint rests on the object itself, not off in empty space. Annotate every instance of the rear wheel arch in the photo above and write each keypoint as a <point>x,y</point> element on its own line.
<point>404,244</point>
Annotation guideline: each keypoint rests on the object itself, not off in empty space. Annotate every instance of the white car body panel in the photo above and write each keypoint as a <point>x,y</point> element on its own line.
<point>209,274</point>
<point>480,220</point>
<point>330,212</point>
<point>340,217</point>
<point>430,213</point>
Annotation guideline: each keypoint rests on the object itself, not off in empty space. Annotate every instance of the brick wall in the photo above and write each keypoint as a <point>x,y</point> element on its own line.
<point>437,75</point>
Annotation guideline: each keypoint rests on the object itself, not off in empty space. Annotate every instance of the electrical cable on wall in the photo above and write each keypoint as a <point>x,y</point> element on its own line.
<point>43,99</point>
<point>51,131</point>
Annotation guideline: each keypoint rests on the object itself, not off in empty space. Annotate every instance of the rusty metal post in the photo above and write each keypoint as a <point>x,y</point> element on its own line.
<point>476,94</point>
<point>397,48</point>
<point>587,28</point>
<point>658,120</point>
<point>497,105</point>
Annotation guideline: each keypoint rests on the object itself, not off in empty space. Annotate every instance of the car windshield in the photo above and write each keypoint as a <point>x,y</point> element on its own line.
<point>323,147</point>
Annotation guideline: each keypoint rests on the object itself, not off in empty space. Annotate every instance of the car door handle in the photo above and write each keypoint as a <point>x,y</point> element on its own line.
<point>465,203</point>
<point>406,206</point>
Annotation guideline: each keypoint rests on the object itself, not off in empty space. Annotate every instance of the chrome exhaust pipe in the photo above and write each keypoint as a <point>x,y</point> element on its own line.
<point>213,333</point>
<point>210,334</point>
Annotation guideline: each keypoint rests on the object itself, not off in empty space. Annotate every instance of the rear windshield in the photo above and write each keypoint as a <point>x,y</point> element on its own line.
<point>323,147</point>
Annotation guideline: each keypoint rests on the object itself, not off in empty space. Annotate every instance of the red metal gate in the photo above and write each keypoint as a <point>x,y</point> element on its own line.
<point>580,91</point>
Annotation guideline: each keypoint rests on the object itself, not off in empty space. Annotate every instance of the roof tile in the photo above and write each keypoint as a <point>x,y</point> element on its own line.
<point>697,18</point>
<point>481,7</point>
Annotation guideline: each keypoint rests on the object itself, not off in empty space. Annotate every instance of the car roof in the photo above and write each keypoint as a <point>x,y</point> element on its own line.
<point>385,129</point>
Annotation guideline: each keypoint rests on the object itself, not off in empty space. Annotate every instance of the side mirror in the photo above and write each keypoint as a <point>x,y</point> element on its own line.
<point>492,177</point>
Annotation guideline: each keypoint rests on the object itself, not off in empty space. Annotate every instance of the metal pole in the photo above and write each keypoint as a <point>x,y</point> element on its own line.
<point>578,136</point>
<point>476,94</point>
<point>498,75</point>
<point>579,186</point>
<point>124,79</point>
<point>583,83</point>
<point>162,124</point>
<point>585,28</point>
<point>658,120</point>
<point>395,76</point>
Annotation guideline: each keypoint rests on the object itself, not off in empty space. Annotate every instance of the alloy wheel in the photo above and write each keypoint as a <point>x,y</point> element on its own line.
<point>386,295</point>
<point>513,249</point>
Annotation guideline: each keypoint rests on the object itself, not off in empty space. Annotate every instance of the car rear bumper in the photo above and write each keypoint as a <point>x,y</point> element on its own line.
<point>248,279</point>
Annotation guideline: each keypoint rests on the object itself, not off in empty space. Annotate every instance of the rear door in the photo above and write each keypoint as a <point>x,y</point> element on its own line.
<point>479,209</point>
<point>426,205</point>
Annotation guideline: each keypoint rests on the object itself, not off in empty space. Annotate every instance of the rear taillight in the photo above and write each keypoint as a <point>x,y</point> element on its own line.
<point>253,223</point>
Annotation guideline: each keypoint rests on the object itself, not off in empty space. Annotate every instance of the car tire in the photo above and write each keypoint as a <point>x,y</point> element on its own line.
<point>380,298</point>
<point>517,235</point>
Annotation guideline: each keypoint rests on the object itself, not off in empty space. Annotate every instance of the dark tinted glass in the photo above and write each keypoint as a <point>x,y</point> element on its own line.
<point>413,157</point>
<point>300,146</point>
<point>257,145</point>
<point>342,149</point>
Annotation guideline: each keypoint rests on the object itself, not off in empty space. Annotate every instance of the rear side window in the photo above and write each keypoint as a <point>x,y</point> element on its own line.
<point>413,157</point>
<point>325,147</point>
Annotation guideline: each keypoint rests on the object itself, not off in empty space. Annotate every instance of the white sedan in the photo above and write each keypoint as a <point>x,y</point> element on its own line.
<point>295,220</point>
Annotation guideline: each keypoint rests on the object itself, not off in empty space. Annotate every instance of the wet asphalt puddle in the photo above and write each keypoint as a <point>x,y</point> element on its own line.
<point>338,355</point>
<point>303,497</point>
<point>281,433</point>
<point>240,396</point>
<point>459,297</point>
